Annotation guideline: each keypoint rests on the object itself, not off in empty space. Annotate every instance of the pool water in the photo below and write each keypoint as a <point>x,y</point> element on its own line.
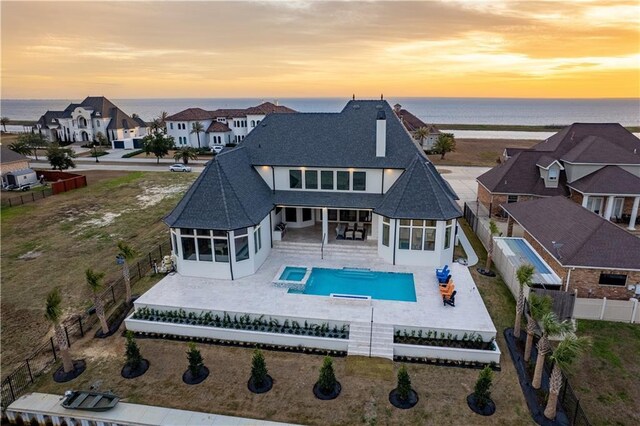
<point>360,282</point>
<point>292,273</point>
<point>519,245</point>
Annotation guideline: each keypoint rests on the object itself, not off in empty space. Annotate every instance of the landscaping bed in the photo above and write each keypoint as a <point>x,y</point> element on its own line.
<point>243,322</point>
<point>433,338</point>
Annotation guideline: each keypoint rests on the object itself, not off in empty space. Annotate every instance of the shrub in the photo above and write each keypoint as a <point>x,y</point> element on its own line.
<point>132,353</point>
<point>404,384</point>
<point>133,153</point>
<point>258,368</point>
<point>327,379</point>
<point>482,389</point>
<point>195,359</point>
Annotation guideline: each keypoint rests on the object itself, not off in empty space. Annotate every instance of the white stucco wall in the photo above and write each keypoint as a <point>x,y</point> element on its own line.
<point>373,183</point>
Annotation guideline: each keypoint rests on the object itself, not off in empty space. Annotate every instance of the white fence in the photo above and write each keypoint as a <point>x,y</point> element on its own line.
<point>454,354</point>
<point>607,310</point>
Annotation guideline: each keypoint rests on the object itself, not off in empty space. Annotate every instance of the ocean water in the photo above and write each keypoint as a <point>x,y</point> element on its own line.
<point>430,110</point>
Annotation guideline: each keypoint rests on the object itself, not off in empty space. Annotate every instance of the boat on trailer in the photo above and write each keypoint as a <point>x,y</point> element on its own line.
<point>89,400</point>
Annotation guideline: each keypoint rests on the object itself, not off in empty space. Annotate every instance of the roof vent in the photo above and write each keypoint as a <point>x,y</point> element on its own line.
<point>378,106</point>
<point>264,124</point>
<point>356,106</point>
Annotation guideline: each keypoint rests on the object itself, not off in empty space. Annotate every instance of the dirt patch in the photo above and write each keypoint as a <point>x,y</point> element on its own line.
<point>155,194</point>
<point>479,152</point>
<point>30,255</point>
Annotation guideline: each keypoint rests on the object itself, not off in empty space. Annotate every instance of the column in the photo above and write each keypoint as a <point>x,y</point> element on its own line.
<point>609,210</point>
<point>634,214</point>
<point>585,200</point>
<point>325,224</point>
<point>509,226</point>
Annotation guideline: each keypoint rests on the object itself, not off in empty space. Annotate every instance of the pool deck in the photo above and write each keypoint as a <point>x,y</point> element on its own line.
<point>256,294</point>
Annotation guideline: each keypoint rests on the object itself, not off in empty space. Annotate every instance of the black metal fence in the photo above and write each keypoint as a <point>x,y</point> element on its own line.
<point>571,405</point>
<point>29,197</point>
<point>75,327</point>
<point>470,217</point>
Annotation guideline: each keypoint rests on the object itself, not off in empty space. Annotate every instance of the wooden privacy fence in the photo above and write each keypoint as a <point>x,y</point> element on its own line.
<point>563,302</point>
<point>75,327</point>
<point>63,181</point>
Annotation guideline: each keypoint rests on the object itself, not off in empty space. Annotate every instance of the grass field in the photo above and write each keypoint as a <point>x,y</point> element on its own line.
<point>479,152</point>
<point>50,243</point>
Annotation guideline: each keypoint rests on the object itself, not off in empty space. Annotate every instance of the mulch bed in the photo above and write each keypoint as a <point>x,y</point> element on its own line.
<point>536,407</point>
<point>116,323</point>
<point>190,379</point>
<point>266,386</point>
<point>78,368</point>
<point>487,410</point>
<point>331,395</point>
<point>395,400</point>
<point>130,373</point>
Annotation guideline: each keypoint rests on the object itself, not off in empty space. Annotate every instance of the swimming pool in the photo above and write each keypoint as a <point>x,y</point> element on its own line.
<point>518,245</point>
<point>293,273</point>
<point>360,283</point>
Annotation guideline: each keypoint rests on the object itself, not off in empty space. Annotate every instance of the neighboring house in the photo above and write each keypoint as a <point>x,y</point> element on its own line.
<point>83,121</point>
<point>11,161</point>
<point>221,126</point>
<point>596,165</point>
<point>324,175</point>
<point>589,253</point>
<point>413,123</point>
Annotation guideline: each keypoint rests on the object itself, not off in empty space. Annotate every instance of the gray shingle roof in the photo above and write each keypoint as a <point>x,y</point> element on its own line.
<point>420,193</point>
<point>608,180</point>
<point>345,139</point>
<point>228,194</point>
<point>9,156</point>
<point>50,118</point>
<point>587,239</point>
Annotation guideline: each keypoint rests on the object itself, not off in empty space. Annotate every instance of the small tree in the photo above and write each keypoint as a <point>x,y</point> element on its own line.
<point>539,306</point>
<point>445,143</point>
<point>197,128</point>
<point>132,352</point>
<point>482,389</point>
<point>195,359</point>
<point>524,274</point>
<point>157,144</point>
<point>421,134</point>
<point>94,281</point>
<point>185,154</point>
<point>4,121</point>
<point>493,230</point>
<point>327,379</point>
<point>60,158</point>
<point>34,141</point>
<point>550,326</point>
<point>21,148</point>
<point>258,368</point>
<point>101,139</point>
<point>53,313</point>
<point>127,254</point>
<point>404,384</point>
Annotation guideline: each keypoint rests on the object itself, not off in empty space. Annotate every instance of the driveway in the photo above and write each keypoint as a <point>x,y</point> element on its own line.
<point>463,181</point>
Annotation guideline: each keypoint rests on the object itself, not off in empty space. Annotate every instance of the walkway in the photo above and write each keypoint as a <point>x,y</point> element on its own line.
<point>42,407</point>
<point>472,257</point>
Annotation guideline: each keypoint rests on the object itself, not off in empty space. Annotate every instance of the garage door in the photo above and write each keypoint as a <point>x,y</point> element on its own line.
<point>118,144</point>
<point>137,144</point>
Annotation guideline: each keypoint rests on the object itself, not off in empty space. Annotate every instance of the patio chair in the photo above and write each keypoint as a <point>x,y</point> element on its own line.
<point>446,290</point>
<point>442,273</point>
<point>451,300</point>
<point>340,229</point>
<point>445,280</point>
<point>359,232</point>
<point>348,235</point>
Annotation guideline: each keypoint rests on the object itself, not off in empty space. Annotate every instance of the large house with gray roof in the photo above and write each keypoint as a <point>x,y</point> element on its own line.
<point>354,177</point>
<point>219,127</point>
<point>83,121</point>
<point>596,165</point>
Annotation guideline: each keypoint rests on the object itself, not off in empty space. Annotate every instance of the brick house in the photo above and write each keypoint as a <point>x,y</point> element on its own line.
<point>413,123</point>
<point>588,252</point>
<point>595,165</point>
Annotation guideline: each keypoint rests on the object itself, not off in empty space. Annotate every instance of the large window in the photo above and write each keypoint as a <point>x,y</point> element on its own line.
<point>295,179</point>
<point>290,214</point>
<point>613,279</point>
<point>447,234</point>
<point>188,244</point>
<point>385,231</point>
<point>203,238</point>
<point>242,244</point>
<point>306,215</point>
<point>326,178</point>
<point>257,238</point>
<point>311,179</point>
<point>417,234</point>
<point>221,246</point>
<point>359,181</point>
<point>343,181</point>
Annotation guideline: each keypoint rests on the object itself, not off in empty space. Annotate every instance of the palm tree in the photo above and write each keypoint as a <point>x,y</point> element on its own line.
<point>4,121</point>
<point>94,280</point>
<point>156,126</point>
<point>127,254</point>
<point>162,120</point>
<point>197,128</point>
<point>550,326</point>
<point>52,313</point>
<point>445,143</point>
<point>421,134</point>
<point>538,307</point>
<point>185,154</point>
<point>524,274</point>
<point>21,148</point>
<point>493,230</point>
<point>562,357</point>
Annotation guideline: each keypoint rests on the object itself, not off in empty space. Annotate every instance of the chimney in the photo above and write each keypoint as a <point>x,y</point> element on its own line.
<point>381,134</point>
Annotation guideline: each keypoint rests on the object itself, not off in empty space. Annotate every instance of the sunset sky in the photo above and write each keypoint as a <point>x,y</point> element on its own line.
<point>551,49</point>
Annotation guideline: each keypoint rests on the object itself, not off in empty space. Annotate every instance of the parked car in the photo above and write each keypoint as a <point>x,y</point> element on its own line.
<point>217,149</point>
<point>179,168</point>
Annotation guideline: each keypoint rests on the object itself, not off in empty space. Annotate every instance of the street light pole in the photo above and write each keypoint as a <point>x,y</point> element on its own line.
<point>95,151</point>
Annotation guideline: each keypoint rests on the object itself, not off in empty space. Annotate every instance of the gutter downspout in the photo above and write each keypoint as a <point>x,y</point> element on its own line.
<point>271,228</point>
<point>382,188</point>
<point>230,257</point>
<point>395,237</point>
<point>566,286</point>
<point>273,179</point>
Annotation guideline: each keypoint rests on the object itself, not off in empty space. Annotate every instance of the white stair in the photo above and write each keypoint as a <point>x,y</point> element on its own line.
<point>331,251</point>
<point>380,336</point>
